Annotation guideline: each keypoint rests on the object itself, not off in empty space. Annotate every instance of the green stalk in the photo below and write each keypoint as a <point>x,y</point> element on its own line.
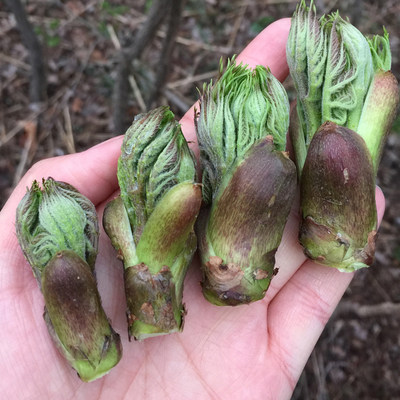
<point>378,113</point>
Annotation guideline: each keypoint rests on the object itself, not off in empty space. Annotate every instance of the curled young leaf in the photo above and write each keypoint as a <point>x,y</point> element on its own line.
<point>243,106</point>
<point>154,158</point>
<point>380,51</point>
<point>56,217</point>
<point>306,56</point>
<point>349,71</point>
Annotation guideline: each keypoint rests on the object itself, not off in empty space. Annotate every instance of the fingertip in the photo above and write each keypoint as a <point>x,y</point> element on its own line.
<point>380,203</point>
<point>189,130</point>
<point>269,49</point>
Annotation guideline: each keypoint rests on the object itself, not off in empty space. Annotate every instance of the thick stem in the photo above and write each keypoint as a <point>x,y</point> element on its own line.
<point>378,113</point>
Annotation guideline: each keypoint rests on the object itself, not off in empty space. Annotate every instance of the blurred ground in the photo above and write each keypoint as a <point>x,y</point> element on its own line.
<point>358,355</point>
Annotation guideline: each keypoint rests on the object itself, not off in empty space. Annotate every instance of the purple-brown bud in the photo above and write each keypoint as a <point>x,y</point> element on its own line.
<point>339,219</point>
<point>75,317</point>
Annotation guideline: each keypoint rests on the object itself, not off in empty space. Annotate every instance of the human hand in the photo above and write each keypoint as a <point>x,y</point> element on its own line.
<point>247,352</point>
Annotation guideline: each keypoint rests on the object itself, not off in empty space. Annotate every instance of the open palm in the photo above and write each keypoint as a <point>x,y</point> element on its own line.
<point>247,352</point>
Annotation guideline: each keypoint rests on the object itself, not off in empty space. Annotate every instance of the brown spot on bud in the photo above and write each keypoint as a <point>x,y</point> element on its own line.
<point>130,318</point>
<point>150,298</point>
<point>223,276</point>
<point>366,255</point>
<point>260,274</point>
<point>346,175</point>
<point>142,267</point>
<point>120,255</point>
<point>214,262</point>
<point>164,270</point>
<point>269,139</point>
<point>342,240</point>
<point>167,315</point>
<point>272,201</point>
<point>147,309</point>
<point>313,229</point>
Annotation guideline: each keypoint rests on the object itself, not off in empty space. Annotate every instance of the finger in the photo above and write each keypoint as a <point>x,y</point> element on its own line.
<point>290,256</point>
<point>300,310</point>
<point>298,314</point>
<point>380,204</point>
<point>268,49</point>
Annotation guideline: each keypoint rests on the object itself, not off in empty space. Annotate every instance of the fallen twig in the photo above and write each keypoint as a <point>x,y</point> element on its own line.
<point>131,78</point>
<point>69,135</point>
<point>195,44</point>
<point>192,78</point>
<point>14,61</point>
<point>31,131</point>
<point>366,311</point>
<point>178,100</point>
<point>236,26</point>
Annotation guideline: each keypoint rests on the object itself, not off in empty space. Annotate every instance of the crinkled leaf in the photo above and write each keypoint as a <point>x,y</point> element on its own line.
<point>154,158</point>
<point>243,106</point>
<point>56,218</point>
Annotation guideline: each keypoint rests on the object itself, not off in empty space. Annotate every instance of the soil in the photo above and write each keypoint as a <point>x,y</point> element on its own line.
<point>358,354</point>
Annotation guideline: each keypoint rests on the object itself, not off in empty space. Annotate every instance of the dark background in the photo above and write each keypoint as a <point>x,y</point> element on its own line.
<point>358,355</point>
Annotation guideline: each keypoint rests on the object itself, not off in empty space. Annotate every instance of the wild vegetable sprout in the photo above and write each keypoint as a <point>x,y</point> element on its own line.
<point>346,102</point>
<point>248,182</point>
<point>58,232</point>
<point>151,223</point>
